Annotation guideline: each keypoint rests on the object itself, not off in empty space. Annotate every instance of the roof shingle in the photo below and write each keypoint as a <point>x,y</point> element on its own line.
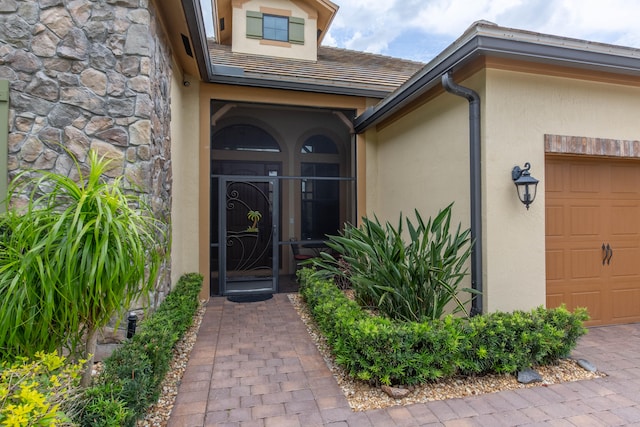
<point>340,68</point>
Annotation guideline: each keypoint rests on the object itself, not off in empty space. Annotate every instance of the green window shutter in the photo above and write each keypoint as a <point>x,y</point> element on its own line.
<point>254,25</point>
<point>296,30</point>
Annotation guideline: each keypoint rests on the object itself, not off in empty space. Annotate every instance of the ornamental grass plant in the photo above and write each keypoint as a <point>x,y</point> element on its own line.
<point>72,256</point>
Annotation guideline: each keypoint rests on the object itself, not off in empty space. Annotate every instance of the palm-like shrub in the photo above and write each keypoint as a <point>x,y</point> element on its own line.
<point>411,281</point>
<point>76,254</point>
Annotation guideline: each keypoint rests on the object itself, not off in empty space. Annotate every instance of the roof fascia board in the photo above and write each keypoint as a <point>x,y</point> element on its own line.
<point>197,34</point>
<point>578,55</point>
<point>558,55</point>
<point>297,86</point>
<point>422,82</point>
<point>333,8</point>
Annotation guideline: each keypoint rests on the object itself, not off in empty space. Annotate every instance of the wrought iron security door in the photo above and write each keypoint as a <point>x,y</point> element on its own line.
<point>248,251</point>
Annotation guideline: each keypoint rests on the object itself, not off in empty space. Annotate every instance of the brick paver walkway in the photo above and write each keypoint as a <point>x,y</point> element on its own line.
<point>254,364</point>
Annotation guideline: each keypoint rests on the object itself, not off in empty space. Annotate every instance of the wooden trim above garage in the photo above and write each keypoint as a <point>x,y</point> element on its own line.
<point>582,145</point>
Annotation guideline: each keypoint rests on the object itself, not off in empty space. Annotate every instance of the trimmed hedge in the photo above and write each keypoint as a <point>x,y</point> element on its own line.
<point>383,351</point>
<point>132,375</point>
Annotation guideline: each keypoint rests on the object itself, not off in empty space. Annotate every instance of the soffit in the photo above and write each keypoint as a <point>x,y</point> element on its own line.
<point>173,18</point>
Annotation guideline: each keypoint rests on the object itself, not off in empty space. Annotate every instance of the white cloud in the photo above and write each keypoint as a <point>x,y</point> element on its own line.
<point>420,29</point>
<point>377,25</point>
<point>453,17</point>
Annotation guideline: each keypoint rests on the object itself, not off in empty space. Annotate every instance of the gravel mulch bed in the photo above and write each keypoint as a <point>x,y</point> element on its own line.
<point>361,396</point>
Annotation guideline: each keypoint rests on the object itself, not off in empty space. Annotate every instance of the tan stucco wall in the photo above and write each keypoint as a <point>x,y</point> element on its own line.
<point>242,44</point>
<point>519,109</point>
<point>515,237</point>
<point>421,160</point>
<point>185,171</point>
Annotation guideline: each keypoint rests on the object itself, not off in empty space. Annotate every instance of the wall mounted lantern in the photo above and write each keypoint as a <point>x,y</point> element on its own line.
<point>526,185</point>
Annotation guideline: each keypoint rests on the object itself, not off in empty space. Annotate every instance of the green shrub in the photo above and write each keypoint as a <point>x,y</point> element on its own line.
<point>133,374</point>
<point>506,342</point>
<point>39,392</point>
<point>384,351</point>
<point>102,408</point>
<point>407,281</point>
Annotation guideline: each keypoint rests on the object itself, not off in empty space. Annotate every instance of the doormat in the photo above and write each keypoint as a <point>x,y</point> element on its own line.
<point>249,298</point>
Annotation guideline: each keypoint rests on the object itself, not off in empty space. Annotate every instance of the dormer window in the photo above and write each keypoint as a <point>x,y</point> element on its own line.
<point>273,27</point>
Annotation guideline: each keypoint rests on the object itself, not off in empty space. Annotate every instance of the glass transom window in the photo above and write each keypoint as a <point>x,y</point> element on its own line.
<point>242,137</point>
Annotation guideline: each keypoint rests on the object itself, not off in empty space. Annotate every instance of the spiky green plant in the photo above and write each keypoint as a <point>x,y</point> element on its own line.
<point>75,255</point>
<point>414,281</point>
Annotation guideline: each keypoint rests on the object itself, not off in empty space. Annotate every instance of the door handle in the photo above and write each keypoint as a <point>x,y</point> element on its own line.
<point>608,254</point>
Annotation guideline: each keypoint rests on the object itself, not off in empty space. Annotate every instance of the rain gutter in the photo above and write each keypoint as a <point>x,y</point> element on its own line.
<point>475,185</point>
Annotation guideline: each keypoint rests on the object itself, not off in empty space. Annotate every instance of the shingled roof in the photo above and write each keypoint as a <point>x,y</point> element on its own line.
<point>336,71</point>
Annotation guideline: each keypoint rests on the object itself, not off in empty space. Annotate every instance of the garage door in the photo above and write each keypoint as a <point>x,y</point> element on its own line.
<point>593,237</point>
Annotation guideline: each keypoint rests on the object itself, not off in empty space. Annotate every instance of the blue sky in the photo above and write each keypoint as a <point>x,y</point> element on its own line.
<point>420,29</point>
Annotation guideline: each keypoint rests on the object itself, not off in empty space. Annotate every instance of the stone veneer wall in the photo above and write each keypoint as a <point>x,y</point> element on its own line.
<point>90,74</point>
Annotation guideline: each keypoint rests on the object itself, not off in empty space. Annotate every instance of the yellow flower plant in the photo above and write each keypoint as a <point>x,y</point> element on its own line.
<point>33,393</point>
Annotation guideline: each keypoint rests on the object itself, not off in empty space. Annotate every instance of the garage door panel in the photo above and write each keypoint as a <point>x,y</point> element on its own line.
<point>584,178</point>
<point>555,265</point>
<point>555,300</point>
<point>623,220</point>
<point>585,263</point>
<point>625,261</point>
<point>554,178</point>
<point>627,304</point>
<point>597,202</point>
<point>585,220</point>
<point>625,179</point>
<point>589,300</point>
<point>554,220</point>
